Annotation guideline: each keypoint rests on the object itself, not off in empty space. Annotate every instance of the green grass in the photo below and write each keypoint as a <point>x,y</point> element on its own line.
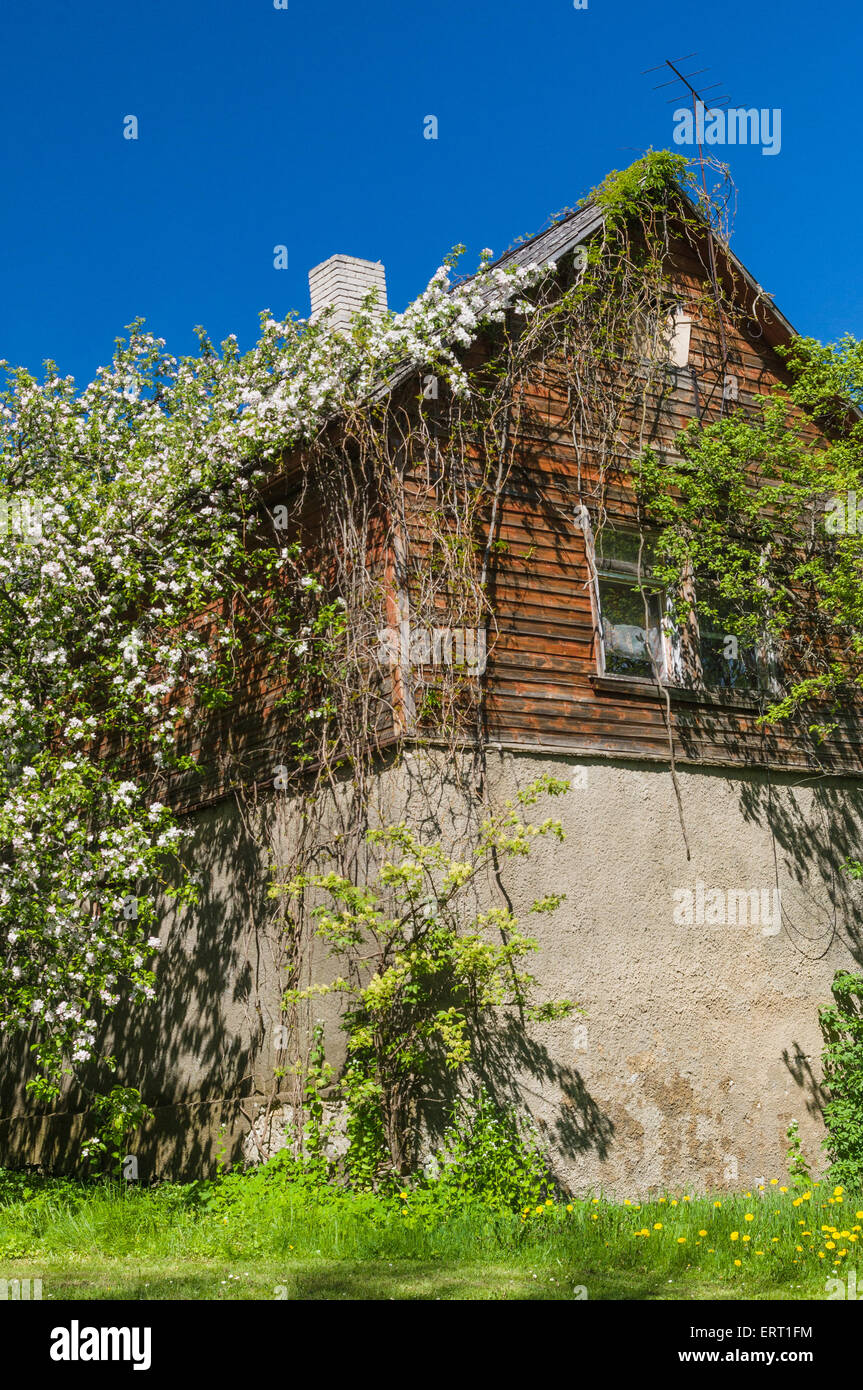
<point>126,1277</point>
<point>264,1237</point>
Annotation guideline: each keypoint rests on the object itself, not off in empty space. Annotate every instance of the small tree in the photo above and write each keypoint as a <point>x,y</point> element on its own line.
<point>842,1058</point>
<point>423,968</point>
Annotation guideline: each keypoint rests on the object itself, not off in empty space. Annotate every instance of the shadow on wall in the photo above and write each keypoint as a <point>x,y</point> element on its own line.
<point>204,1048</point>
<point>511,1060</point>
<point>800,1068</point>
<point>814,829</point>
<point>509,1064</point>
<point>193,1053</point>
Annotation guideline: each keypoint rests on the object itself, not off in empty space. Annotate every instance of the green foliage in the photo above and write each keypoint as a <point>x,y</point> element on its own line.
<point>423,967</point>
<point>368,1155</point>
<point>649,183</point>
<point>318,1075</point>
<point>762,518</point>
<point>799,1172</point>
<point>128,614</point>
<point>118,1114</point>
<point>492,1154</point>
<point>842,1058</point>
<point>321,1238</point>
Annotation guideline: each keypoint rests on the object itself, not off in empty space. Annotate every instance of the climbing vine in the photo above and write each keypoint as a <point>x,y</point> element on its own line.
<point>302,520</point>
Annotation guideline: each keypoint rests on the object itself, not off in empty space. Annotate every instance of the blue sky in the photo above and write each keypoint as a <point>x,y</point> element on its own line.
<point>303,127</point>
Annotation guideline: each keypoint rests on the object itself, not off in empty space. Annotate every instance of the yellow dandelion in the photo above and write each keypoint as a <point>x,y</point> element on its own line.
<point>702,1233</point>
<point>749,1216</point>
<point>735,1235</point>
<point>657,1225</point>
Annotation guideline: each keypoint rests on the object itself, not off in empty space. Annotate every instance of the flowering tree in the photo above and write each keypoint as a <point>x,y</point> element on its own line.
<point>143,564</point>
<point>131,508</point>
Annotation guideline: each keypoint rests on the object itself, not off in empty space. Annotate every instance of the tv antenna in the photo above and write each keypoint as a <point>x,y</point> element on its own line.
<point>714,103</point>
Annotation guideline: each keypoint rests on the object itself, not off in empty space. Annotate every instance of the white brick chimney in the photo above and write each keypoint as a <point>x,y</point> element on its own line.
<point>344,282</point>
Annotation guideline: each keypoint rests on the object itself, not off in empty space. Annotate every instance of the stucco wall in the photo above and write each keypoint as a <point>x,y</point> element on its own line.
<point>699,1041</point>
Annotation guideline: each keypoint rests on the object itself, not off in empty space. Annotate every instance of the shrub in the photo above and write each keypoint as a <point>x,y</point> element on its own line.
<point>842,1029</point>
<point>491,1154</point>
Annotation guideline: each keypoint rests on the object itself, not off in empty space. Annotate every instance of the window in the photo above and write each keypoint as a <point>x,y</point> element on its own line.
<point>727,662</point>
<point>665,335</point>
<point>640,635</point>
<point>679,331</point>
<point>631,607</point>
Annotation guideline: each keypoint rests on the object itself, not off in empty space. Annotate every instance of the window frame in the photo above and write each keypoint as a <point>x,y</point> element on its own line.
<point>681,644</point>
<point>640,583</point>
<point>667,338</point>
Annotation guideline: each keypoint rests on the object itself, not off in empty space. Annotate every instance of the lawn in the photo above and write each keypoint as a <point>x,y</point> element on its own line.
<point>265,1238</point>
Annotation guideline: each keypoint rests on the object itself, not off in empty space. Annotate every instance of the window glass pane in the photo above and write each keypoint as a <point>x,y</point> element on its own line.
<point>626,643</point>
<point>617,553</point>
<point>725,661</point>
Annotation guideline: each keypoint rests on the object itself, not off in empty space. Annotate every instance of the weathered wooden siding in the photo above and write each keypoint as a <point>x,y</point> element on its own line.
<point>542,682</point>
<point>541,686</point>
